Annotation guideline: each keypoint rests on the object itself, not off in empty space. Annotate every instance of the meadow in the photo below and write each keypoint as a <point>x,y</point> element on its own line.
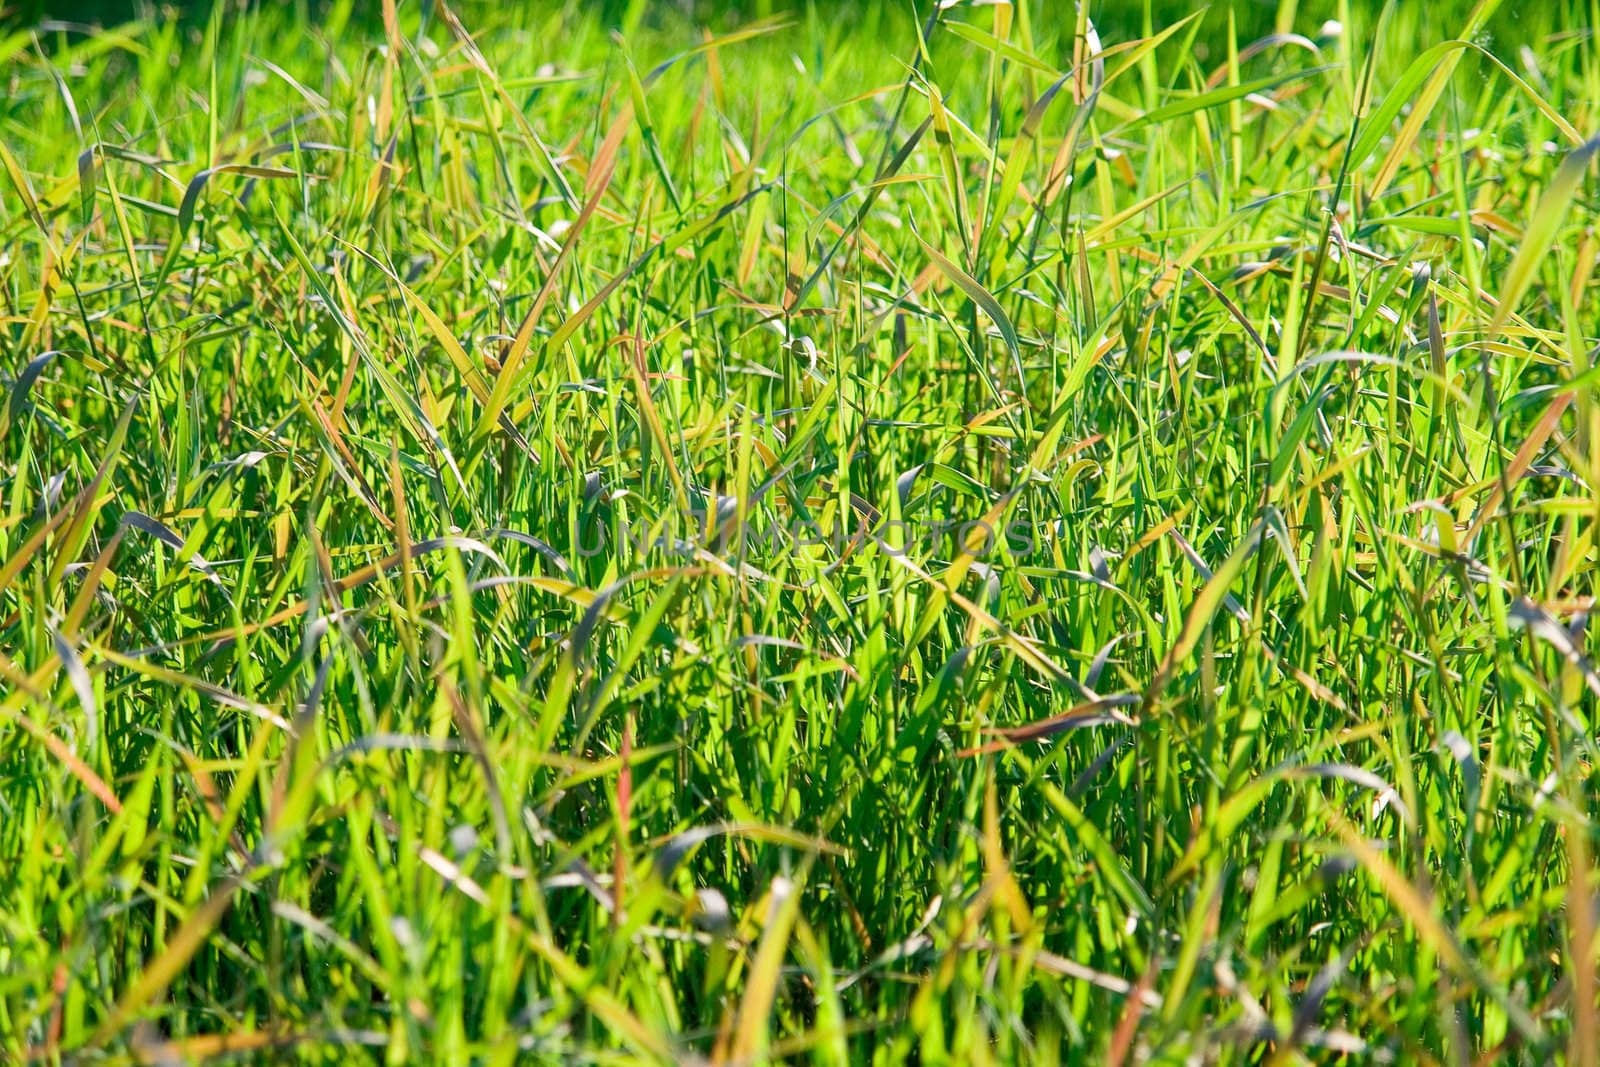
<point>650,532</point>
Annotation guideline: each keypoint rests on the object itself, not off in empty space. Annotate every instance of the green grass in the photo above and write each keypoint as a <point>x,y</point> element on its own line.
<point>369,691</point>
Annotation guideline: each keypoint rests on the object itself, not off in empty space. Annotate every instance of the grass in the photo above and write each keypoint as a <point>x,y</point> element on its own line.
<point>489,563</point>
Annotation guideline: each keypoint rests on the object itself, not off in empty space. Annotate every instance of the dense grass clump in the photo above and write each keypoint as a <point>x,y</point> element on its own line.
<point>540,533</point>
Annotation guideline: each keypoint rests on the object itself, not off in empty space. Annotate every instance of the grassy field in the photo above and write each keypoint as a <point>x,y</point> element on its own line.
<point>539,533</point>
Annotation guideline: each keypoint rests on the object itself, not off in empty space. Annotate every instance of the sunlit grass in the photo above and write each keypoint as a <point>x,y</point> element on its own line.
<point>564,534</point>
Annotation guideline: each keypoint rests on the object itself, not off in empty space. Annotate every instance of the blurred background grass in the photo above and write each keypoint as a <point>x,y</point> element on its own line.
<point>1513,24</point>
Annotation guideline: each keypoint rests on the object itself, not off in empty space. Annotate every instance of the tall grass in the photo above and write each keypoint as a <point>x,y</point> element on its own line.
<point>997,533</point>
